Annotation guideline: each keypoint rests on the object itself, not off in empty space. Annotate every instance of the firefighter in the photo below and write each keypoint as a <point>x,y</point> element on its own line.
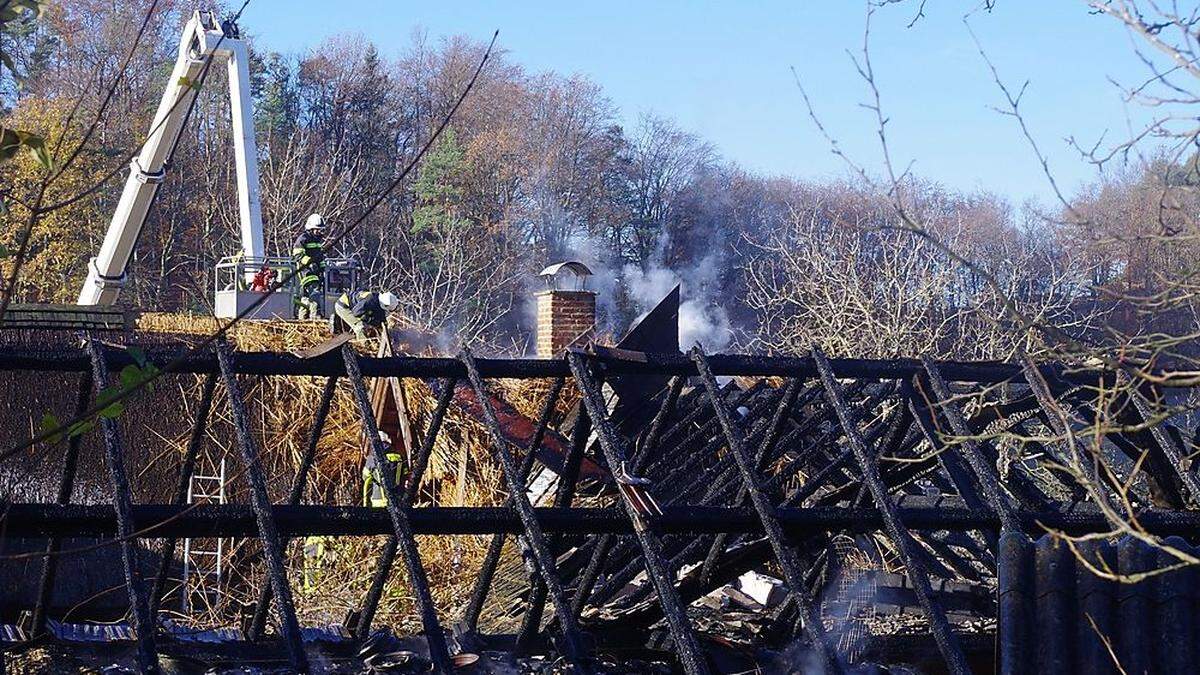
<point>374,493</point>
<point>365,309</point>
<point>309,255</point>
<point>318,555</point>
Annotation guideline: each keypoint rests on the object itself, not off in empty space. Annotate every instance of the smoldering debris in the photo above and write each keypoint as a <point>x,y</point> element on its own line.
<point>806,511</point>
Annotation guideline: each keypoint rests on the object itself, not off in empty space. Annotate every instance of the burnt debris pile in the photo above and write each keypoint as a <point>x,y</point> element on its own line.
<point>703,513</point>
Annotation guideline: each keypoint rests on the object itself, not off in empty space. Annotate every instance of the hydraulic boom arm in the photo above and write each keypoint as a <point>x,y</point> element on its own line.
<point>204,38</point>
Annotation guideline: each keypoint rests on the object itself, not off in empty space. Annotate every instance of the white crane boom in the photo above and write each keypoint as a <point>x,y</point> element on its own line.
<point>204,38</point>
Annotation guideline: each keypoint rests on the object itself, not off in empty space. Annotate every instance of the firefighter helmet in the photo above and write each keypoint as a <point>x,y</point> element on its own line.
<point>314,223</point>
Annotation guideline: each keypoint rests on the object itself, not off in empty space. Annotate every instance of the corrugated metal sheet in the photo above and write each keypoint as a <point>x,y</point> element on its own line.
<point>11,634</point>
<point>1058,615</point>
<point>328,633</point>
<point>91,632</point>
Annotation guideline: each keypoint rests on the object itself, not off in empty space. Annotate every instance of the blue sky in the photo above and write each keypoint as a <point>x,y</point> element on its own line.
<point>723,71</point>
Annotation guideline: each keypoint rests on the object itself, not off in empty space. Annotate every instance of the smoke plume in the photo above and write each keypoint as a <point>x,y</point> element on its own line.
<point>701,319</point>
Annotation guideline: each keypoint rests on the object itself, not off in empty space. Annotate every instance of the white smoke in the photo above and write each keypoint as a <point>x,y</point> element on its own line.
<point>701,318</point>
<point>603,282</point>
<point>701,321</point>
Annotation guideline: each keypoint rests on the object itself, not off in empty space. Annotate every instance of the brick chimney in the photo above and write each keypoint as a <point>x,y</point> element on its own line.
<point>566,310</point>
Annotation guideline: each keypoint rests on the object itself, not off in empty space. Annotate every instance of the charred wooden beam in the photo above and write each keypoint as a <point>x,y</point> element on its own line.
<point>402,531</point>
<point>199,426</point>
<point>749,467</point>
<point>897,531</point>
<point>412,483</point>
<point>114,456</point>
<point>182,360</point>
<point>237,520</point>
<point>647,529</point>
<point>487,571</point>
<point>259,622</point>
<point>264,517</point>
<point>66,485</point>
<point>535,538</point>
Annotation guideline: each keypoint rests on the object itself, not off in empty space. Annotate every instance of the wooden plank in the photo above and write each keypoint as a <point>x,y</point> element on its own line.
<point>326,346</point>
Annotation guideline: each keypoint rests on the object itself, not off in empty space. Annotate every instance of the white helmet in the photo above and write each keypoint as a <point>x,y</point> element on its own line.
<point>314,222</point>
<point>388,301</point>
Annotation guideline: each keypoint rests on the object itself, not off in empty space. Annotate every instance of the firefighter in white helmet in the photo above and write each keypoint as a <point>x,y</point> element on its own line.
<point>309,254</point>
<point>365,309</point>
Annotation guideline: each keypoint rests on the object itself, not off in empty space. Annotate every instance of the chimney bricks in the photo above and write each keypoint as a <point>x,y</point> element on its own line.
<point>564,319</point>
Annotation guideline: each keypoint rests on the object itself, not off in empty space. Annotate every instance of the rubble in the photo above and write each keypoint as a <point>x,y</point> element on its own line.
<point>742,511</point>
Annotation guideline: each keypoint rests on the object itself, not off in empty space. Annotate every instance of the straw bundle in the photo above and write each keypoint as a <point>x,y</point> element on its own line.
<point>247,336</point>
<point>462,472</point>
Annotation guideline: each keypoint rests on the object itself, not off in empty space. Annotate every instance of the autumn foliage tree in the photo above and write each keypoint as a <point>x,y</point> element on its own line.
<point>541,167</point>
<point>62,240</point>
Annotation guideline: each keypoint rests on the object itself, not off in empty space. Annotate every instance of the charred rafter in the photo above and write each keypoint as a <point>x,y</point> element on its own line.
<point>713,478</point>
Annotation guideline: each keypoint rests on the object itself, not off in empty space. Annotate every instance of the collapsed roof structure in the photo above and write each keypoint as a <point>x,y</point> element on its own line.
<point>706,512</point>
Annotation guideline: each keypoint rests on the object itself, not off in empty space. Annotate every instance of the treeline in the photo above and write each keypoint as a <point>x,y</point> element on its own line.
<point>538,167</point>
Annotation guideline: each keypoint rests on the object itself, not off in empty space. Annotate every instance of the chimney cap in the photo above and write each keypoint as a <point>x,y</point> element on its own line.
<point>577,269</point>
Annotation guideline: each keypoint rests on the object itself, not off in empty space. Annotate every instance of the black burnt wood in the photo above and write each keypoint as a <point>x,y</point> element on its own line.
<point>564,493</point>
<point>662,578</point>
<point>186,360</point>
<point>491,560</point>
<point>398,515</point>
<point>264,516</point>
<point>114,456</point>
<point>195,440</point>
<point>784,550</point>
<point>387,558</point>
<point>66,485</point>
<point>899,534</point>
<point>535,538</point>
<point>259,621</point>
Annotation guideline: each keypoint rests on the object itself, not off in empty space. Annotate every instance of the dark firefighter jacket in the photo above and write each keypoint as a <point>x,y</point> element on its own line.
<point>308,251</point>
<point>366,307</point>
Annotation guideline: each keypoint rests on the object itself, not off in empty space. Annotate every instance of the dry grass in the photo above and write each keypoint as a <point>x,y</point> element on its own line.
<point>461,473</point>
<point>288,336</point>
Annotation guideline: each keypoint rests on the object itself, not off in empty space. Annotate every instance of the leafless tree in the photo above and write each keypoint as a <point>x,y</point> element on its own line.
<point>451,282</point>
<point>836,276</point>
